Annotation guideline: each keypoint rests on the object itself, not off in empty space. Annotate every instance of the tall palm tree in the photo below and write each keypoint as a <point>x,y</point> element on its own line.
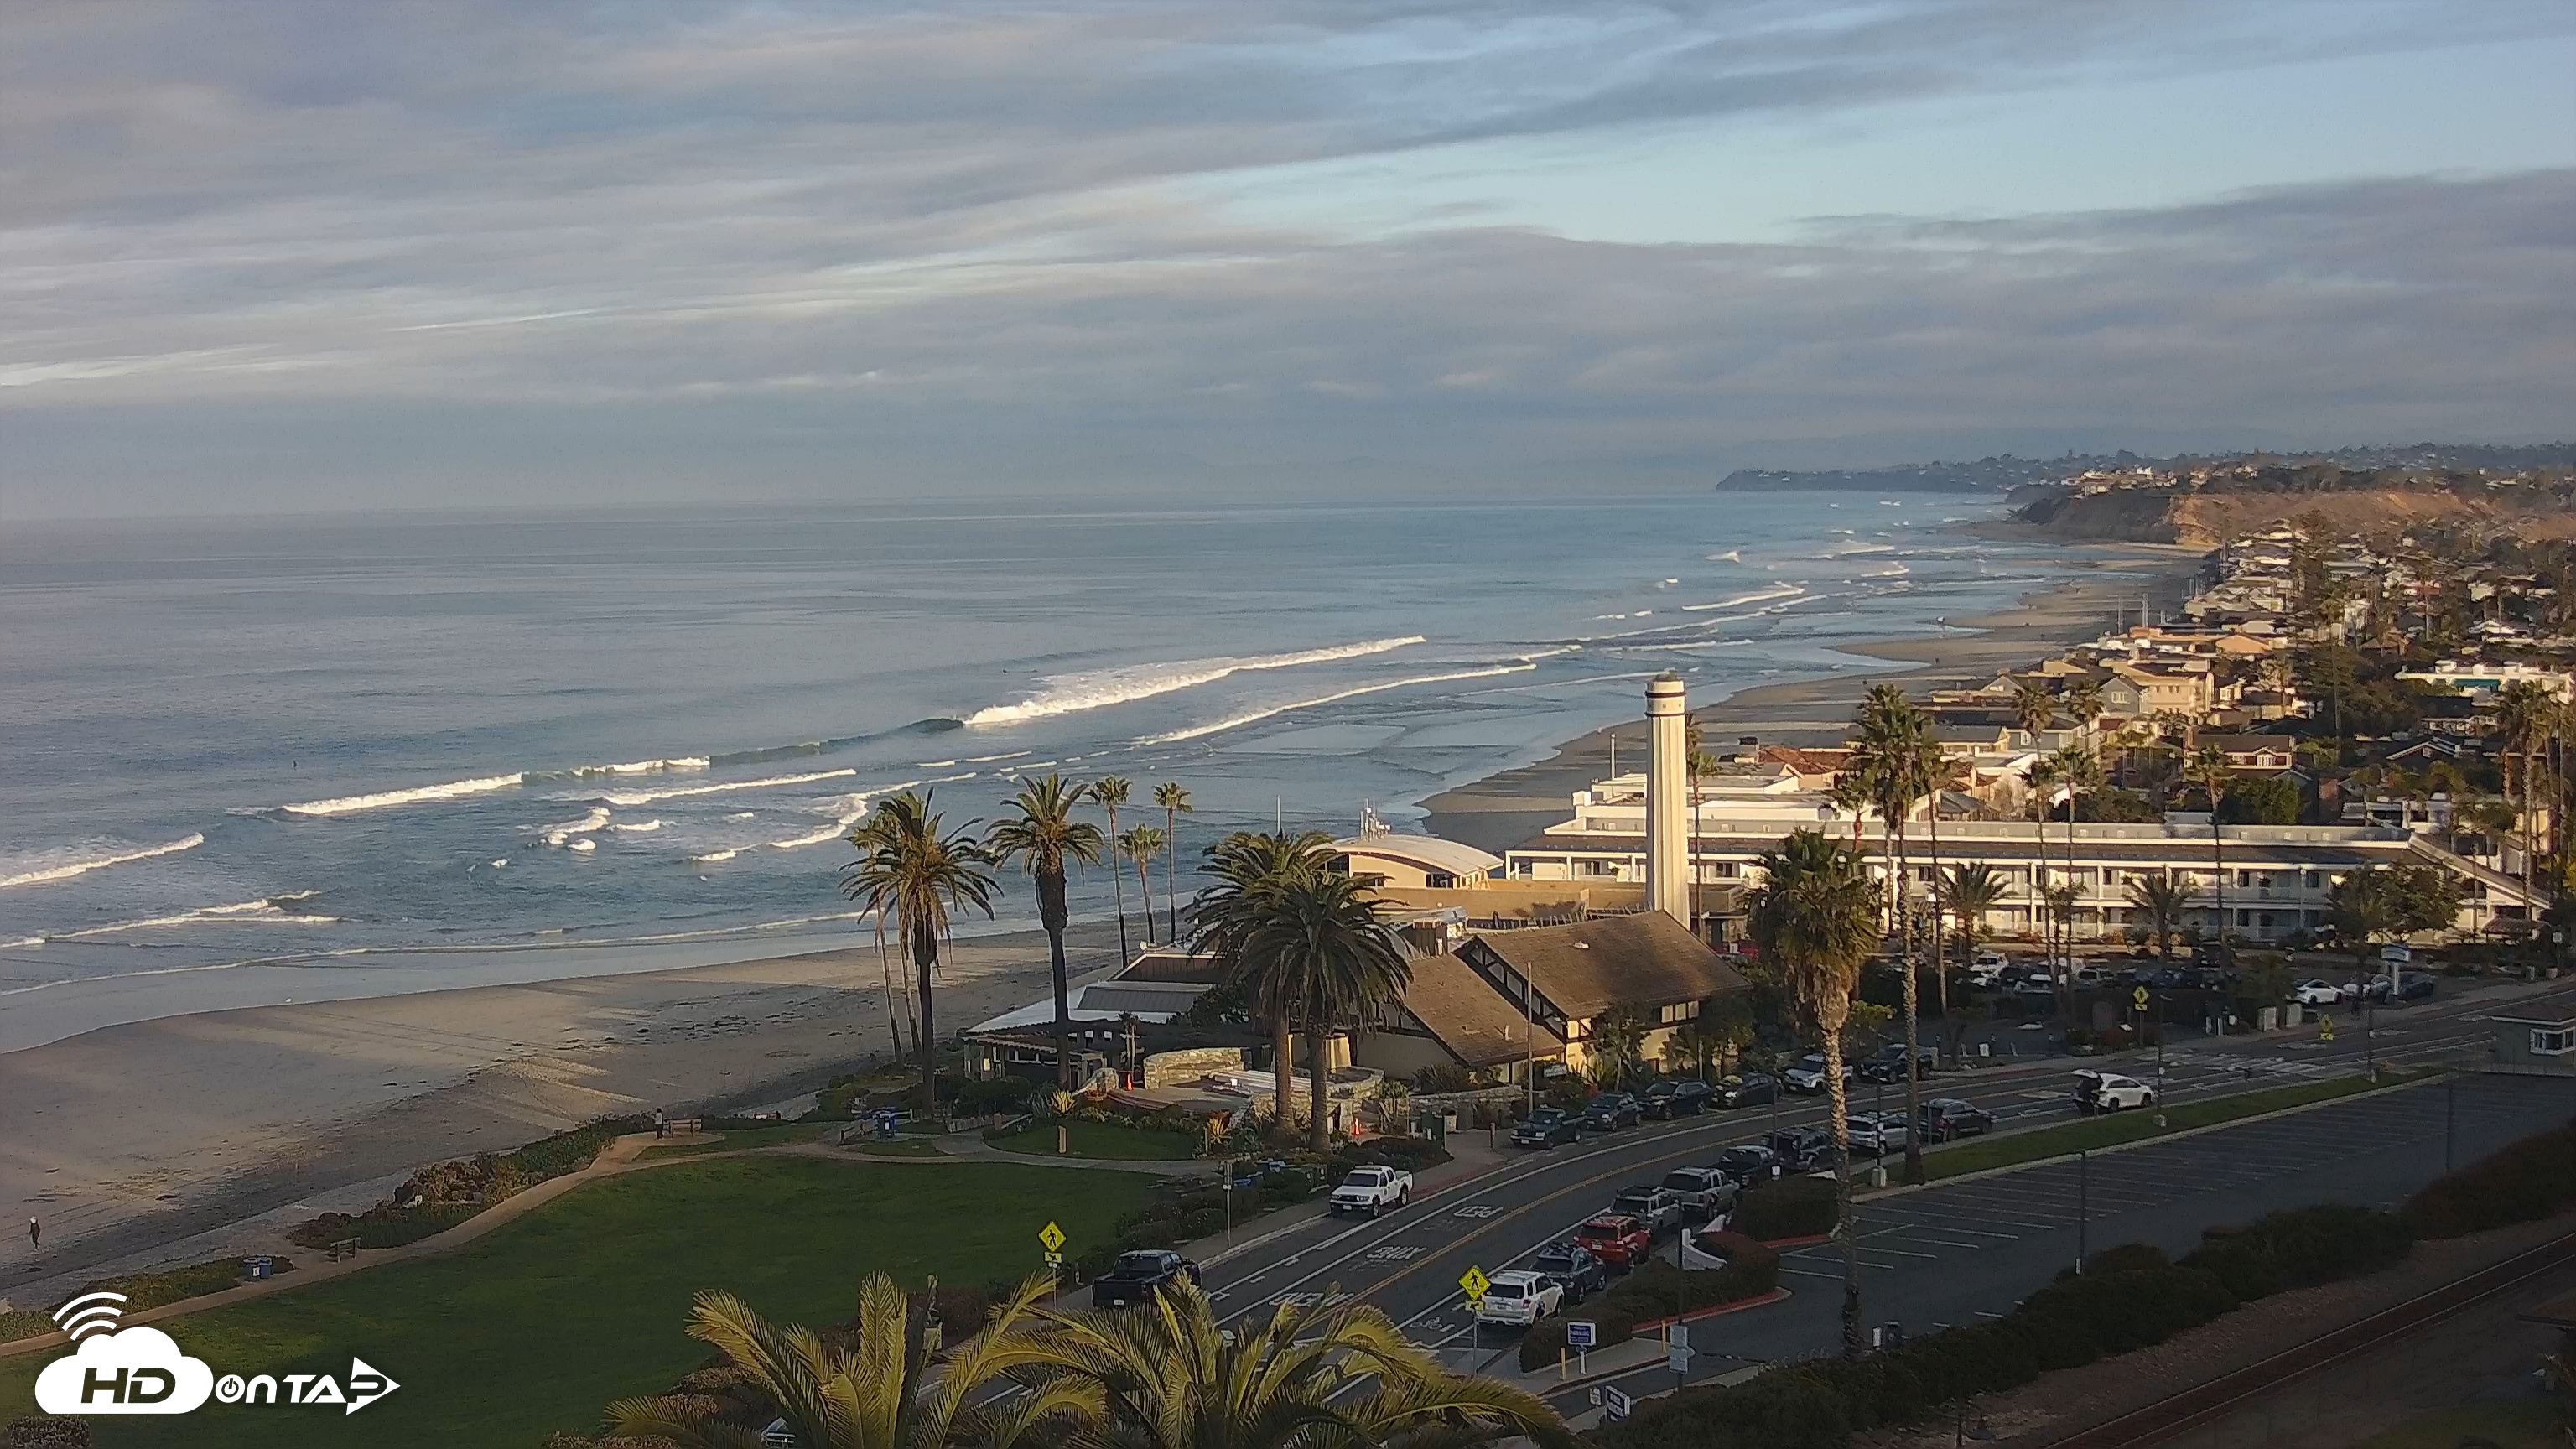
<point>1175,801</point>
<point>1851,796</point>
<point>1701,764</point>
<point>1320,930</point>
<point>1970,891</point>
<point>1246,867</point>
<point>2084,702</point>
<point>2034,708</point>
<point>2525,717</point>
<point>880,1392</point>
<point>2081,771</point>
<point>1044,836</point>
<point>1112,791</point>
<point>1813,918</point>
<point>2207,768</point>
<point>2044,776</point>
<point>1897,751</point>
<point>1329,1373</point>
<point>1141,844</point>
<point>909,871</point>
<point>1936,778</point>
<point>2163,901</point>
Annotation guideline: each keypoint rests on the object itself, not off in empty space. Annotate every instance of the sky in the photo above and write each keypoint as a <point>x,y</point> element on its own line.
<point>262,256</point>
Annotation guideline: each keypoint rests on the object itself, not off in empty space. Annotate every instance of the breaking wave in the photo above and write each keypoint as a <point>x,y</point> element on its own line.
<point>271,911</point>
<point>418,794</point>
<point>1098,689</point>
<point>1777,591</point>
<point>1517,666</point>
<point>69,869</point>
<point>561,834</point>
<point>647,797</point>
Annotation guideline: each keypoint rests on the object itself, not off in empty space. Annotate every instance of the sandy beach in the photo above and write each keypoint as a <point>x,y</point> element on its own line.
<point>193,1134</point>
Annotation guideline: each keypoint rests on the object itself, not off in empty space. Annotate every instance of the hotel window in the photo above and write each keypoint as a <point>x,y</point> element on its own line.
<point>1687,1011</point>
<point>2553,1041</point>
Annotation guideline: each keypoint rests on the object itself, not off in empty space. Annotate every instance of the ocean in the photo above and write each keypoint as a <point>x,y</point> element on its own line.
<point>391,738</point>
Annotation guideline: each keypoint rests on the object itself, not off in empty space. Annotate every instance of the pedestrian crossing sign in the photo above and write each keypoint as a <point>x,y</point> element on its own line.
<point>1475,1282</point>
<point>2325,1028</point>
<point>1051,1238</point>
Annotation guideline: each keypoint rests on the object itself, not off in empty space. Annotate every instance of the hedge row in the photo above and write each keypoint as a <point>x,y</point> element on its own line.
<point>1653,1291</point>
<point>1791,1207</point>
<point>2525,1182</point>
<point>144,1290</point>
<point>2128,1298</point>
<point>443,1194</point>
<point>384,1225</point>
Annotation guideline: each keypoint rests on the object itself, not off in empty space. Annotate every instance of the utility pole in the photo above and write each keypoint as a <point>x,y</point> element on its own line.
<point>2083,1198</point>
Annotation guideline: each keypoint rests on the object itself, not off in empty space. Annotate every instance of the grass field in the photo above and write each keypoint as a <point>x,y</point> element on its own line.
<point>1104,1141</point>
<point>2533,1423</point>
<point>2091,1134</point>
<point>736,1139</point>
<point>538,1325</point>
<point>900,1147</point>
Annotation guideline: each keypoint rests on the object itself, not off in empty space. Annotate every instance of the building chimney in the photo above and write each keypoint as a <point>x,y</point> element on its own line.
<point>1667,796</point>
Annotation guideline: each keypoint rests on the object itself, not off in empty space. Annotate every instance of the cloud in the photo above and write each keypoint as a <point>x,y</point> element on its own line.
<point>148,1374</point>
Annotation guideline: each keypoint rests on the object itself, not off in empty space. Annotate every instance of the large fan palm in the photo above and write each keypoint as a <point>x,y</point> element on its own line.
<point>2207,768</point>
<point>1320,1376</point>
<point>909,872</point>
<point>2162,901</point>
<point>1044,836</point>
<point>1813,919</point>
<point>1112,791</point>
<point>879,1392</point>
<point>1174,797</point>
<point>1318,934</point>
<point>1900,757</point>
<point>1246,867</point>
<point>1140,844</point>
<point>1970,893</point>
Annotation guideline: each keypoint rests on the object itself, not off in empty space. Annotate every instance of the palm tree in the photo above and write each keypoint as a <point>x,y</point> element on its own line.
<point>1897,750</point>
<point>2034,708</point>
<point>1327,1373</point>
<point>908,870</point>
<point>2084,702</point>
<point>1111,791</point>
<point>2361,909</point>
<point>2525,717</point>
<point>1702,764</point>
<point>1319,930</point>
<point>1044,837</point>
<point>1247,866</point>
<point>880,1392</point>
<point>2081,770</point>
<point>2045,775</point>
<point>1141,844</point>
<point>1971,891</point>
<point>1851,797</point>
<point>2207,768</point>
<point>1813,918</point>
<point>2163,901</point>
<point>1175,801</point>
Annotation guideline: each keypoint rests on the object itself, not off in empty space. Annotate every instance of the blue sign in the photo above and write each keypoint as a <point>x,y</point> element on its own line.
<point>1581,1334</point>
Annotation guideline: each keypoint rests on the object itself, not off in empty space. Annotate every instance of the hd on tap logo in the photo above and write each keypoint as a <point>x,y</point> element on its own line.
<point>142,1371</point>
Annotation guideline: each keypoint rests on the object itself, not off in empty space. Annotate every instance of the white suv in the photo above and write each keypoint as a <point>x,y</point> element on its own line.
<point>2110,1092</point>
<point>1519,1297</point>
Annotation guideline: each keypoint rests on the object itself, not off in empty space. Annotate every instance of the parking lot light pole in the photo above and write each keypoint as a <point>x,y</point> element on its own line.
<point>2083,1184</point>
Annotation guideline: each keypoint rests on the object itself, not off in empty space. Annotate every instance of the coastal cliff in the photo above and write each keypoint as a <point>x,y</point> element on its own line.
<point>2204,520</point>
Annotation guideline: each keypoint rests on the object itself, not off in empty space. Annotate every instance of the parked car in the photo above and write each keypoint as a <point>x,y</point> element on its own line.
<point>1989,960</point>
<point>1887,1064</point>
<point>1676,1097</point>
<point>1876,1133</point>
<point>1801,1149</point>
<point>1610,1111</point>
<point>2414,986</point>
<point>2096,977</point>
<point>2375,989</point>
<point>1572,1264</point>
<point>1372,1190</point>
<point>1659,1208</point>
<point>1136,1277</point>
<point>2318,992</point>
<point>1707,1194</point>
<point>1619,1241</point>
<point>2110,1092</point>
<point>2172,978</point>
<point>1806,1076</point>
<point>1753,1089</point>
<point>1946,1118</point>
<point>1518,1297</point>
<point>1547,1127</point>
<point>1748,1164</point>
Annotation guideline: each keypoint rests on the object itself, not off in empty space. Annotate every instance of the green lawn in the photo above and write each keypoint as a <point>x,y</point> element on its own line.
<point>1103,1141</point>
<point>2095,1133</point>
<point>900,1147</point>
<point>2533,1423</point>
<point>536,1326</point>
<point>736,1139</point>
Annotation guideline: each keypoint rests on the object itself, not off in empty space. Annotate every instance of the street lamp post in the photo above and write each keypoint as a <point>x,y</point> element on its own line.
<point>2083,1201</point>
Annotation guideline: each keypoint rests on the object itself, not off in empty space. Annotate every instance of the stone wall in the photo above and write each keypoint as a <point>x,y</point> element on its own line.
<point>1179,1068</point>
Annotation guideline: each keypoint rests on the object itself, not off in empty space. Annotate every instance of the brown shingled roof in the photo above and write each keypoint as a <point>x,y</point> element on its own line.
<point>1477,1025</point>
<point>1647,959</point>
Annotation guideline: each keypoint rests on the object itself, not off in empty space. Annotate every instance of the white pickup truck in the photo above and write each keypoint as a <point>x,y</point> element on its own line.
<point>1372,1190</point>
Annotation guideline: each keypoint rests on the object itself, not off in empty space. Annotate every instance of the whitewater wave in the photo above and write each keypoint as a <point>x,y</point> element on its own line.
<point>1098,689</point>
<point>1777,591</point>
<point>1848,550</point>
<point>269,910</point>
<point>1732,555</point>
<point>585,846</point>
<point>1517,666</point>
<point>418,794</point>
<point>70,869</point>
<point>647,797</point>
<point>637,827</point>
<point>560,834</point>
<point>715,855</point>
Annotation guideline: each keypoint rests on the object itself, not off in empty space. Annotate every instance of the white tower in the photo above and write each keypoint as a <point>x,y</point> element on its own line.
<point>1667,796</point>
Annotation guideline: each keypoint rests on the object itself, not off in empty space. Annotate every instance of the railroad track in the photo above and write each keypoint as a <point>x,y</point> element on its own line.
<point>2221,1396</point>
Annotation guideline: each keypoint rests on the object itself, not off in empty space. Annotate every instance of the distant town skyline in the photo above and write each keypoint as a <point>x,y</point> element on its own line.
<point>263,256</point>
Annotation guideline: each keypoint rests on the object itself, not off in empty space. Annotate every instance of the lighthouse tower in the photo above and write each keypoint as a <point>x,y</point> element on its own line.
<point>1668,865</point>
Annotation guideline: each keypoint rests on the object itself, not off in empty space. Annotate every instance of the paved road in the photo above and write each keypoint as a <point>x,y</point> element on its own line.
<point>1409,1263</point>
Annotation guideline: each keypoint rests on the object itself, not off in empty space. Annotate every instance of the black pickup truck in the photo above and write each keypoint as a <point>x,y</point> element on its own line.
<point>1135,1277</point>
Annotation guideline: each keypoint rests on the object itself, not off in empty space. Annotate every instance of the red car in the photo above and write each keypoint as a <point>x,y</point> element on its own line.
<point>1617,1239</point>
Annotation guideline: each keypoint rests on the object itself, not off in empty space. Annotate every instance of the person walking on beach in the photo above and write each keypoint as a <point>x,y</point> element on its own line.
<point>35,1233</point>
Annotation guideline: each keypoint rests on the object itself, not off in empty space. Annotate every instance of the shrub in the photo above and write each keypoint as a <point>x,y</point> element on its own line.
<point>1409,1153</point>
<point>1793,1207</point>
<point>2520,1183</point>
<point>1652,1292</point>
<point>384,1225</point>
<point>145,1290</point>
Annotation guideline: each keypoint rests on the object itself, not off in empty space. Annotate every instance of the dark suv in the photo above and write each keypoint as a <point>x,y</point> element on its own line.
<point>1749,1165</point>
<point>1610,1111</point>
<point>1676,1098</point>
<point>1753,1089</point>
<point>1945,1118</point>
<point>1573,1265</point>
<point>1547,1127</point>
<point>1887,1064</point>
<point>1801,1149</point>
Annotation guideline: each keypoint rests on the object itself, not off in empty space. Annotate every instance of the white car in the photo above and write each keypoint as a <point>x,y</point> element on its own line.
<point>1807,1076</point>
<point>2111,1092</point>
<point>1989,961</point>
<point>2318,992</point>
<point>1372,1190</point>
<point>1519,1297</point>
<point>1876,1133</point>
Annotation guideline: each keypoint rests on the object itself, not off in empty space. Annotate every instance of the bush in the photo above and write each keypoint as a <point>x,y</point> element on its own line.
<point>145,1290</point>
<point>2524,1182</point>
<point>1650,1294</point>
<point>384,1225</point>
<point>1410,1153</point>
<point>45,1431</point>
<point>1793,1207</point>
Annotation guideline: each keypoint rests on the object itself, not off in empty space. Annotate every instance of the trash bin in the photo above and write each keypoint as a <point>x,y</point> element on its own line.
<point>261,1267</point>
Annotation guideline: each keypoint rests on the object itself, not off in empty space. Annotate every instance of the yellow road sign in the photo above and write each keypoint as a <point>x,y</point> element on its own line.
<point>1052,1237</point>
<point>2325,1028</point>
<point>2140,997</point>
<point>1475,1282</point>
